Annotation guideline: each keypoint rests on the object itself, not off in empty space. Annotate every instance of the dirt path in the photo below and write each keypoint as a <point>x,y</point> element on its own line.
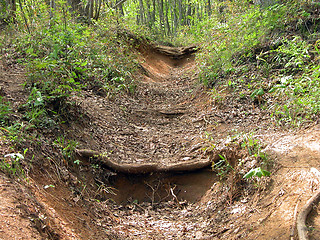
<point>156,124</point>
<point>166,122</point>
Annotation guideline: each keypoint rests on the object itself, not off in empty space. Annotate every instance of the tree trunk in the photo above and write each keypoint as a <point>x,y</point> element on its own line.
<point>209,8</point>
<point>161,15</point>
<point>89,10</point>
<point>181,13</point>
<point>12,15</point>
<point>153,15</point>
<point>24,17</point>
<point>141,12</point>
<point>189,12</point>
<point>149,18</point>
<point>168,30</point>
<point>175,17</point>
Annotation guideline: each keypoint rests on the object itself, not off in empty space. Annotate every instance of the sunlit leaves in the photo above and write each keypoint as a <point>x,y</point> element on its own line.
<point>256,172</point>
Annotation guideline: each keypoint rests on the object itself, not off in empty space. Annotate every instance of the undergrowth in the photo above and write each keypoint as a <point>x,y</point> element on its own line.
<point>251,155</point>
<point>269,55</point>
<point>63,57</point>
<point>245,167</point>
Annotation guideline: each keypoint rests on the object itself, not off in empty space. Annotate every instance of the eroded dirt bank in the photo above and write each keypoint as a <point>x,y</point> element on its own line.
<point>166,122</point>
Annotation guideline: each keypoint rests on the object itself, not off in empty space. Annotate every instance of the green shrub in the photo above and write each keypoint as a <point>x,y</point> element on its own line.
<point>5,111</point>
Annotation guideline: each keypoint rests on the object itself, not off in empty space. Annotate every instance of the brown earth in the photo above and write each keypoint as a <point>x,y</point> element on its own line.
<point>170,120</point>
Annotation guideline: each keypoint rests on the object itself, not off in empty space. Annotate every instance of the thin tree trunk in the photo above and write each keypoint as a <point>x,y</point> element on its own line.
<point>175,17</point>
<point>76,6</point>
<point>97,9</point>
<point>167,19</point>
<point>141,12</point>
<point>120,9</point>
<point>149,18</point>
<point>181,14</point>
<point>209,8</point>
<point>153,11</point>
<point>12,14</point>
<point>161,15</point>
<point>24,17</point>
<point>89,11</point>
<point>52,8</point>
<point>189,11</point>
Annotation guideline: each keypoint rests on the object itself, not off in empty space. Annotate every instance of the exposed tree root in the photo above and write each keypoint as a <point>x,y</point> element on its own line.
<point>301,220</point>
<point>176,52</point>
<point>145,168</point>
<point>292,229</point>
<point>141,42</point>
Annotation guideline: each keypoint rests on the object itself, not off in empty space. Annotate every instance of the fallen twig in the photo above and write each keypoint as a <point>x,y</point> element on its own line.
<point>175,197</point>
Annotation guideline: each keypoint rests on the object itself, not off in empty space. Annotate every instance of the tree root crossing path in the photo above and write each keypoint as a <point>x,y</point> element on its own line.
<point>159,128</point>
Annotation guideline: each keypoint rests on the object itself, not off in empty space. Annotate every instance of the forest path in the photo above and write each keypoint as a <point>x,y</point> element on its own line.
<point>165,122</point>
<point>161,126</point>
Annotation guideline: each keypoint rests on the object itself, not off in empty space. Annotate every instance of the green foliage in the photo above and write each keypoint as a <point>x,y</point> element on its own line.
<point>11,164</point>
<point>61,63</point>
<point>12,130</point>
<point>14,133</point>
<point>216,96</point>
<point>256,155</point>
<point>5,110</point>
<point>252,55</point>
<point>165,19</point>
<point>256,172</point>
<point>247,165</point>
<point>254,147</point>
<point>36,112</point>
<point>67,148</point>
<point>297,99</point>
<point>223,167</point>
<point>63,57</point>
<point>291,56</point>
<point>239,36</point>
<point>257,94</point>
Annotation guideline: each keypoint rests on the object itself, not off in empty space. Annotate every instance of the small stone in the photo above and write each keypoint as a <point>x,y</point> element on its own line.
<point>199,235</point>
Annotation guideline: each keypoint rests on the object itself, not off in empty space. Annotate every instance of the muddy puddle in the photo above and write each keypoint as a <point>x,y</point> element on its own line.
<point>158,187</point>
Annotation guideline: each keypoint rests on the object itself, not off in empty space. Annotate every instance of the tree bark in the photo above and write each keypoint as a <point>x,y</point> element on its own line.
<point>161,15</point>
<point>168,30</point>
<point>175,17</point>
<point>141,12</point>
<point>12,15</point>
<point>149,18</point>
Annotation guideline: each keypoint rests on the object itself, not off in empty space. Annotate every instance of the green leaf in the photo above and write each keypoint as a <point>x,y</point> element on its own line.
<point>219,164</point>
<point>260,92</point>
<point>249,174</point>
<point>265,173</point>
<point>257,172</point>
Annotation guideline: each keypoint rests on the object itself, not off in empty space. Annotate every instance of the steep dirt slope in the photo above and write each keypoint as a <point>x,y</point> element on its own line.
<point>15,214</point>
